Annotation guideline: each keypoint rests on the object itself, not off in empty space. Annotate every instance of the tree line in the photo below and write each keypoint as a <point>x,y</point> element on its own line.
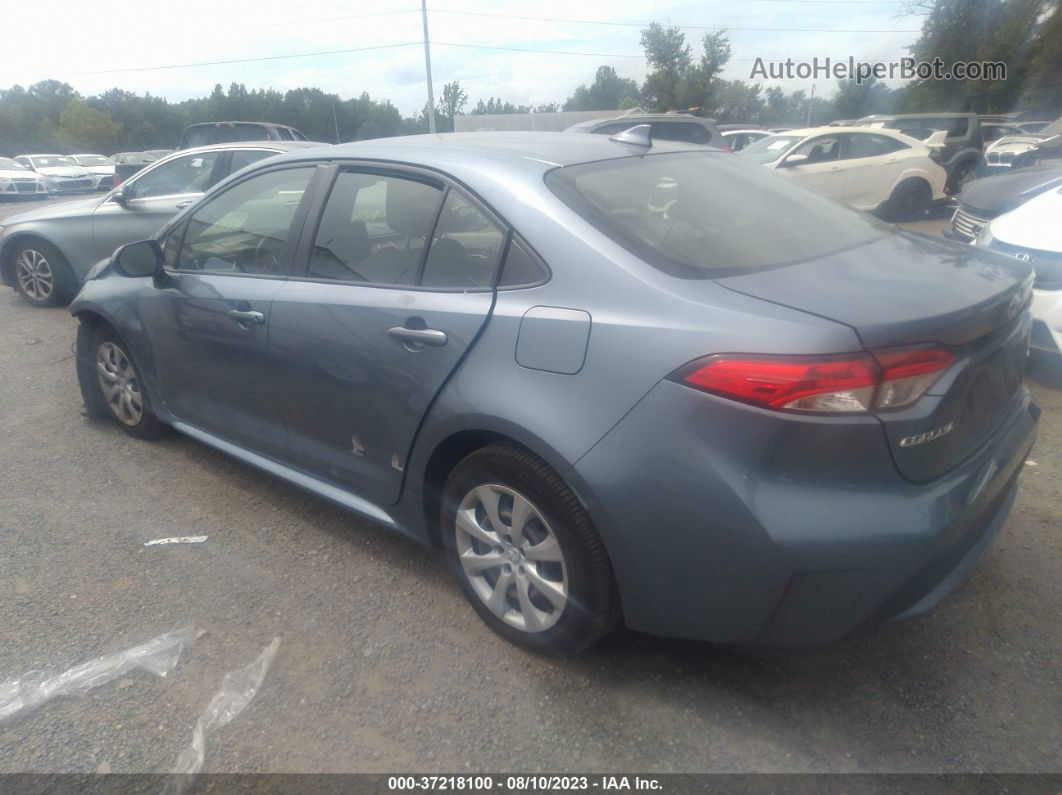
<point>1026,34</point>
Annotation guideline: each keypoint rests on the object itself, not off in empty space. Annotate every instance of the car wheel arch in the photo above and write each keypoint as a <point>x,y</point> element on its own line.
<point>446,452</point>
<point>11,244</point>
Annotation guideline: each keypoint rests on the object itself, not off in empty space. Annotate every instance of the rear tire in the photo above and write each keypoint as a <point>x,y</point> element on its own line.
<point>910,201</point>
<point>544,583</point>
<point>42,276</point>
<point>963,173</point>
<point>110,383</point>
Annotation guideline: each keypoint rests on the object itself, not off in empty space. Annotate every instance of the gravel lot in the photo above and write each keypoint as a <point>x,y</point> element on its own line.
<point>383,667</point>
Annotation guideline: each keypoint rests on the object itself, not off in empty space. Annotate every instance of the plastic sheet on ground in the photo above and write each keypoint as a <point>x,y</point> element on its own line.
<point>176,540</point>
<point>237,689</point>
<point>159,656</point>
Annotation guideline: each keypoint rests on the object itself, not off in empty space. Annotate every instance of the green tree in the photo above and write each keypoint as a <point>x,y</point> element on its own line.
<point>854,100</point>
<point>707,82</point>
<point>669,60</point>
<point>607,92</point>
<point>740,102</point>
<point>1043,79</point>
<point>87,129</point>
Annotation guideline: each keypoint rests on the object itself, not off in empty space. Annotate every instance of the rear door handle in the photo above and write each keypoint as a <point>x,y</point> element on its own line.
<point>246,319</point>
<point>425,336</point>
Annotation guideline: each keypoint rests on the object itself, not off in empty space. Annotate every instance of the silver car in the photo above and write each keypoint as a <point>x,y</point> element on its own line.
<point>45,253</point>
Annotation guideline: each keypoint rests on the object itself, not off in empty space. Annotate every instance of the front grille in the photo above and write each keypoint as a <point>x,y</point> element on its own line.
<point>1047,265</point>
<point>26,186</point>
<point>1007,157</point>
<point>75,184</point>
<point>965,225</point>
<point>1041,338</point>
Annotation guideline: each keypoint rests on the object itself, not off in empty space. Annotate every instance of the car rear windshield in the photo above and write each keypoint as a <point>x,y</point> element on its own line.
<point>699,215</point>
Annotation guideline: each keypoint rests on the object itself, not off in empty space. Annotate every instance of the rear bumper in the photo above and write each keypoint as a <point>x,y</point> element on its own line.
<point>741,527</point>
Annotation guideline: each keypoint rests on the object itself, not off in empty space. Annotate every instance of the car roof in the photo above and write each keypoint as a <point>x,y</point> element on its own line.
<point>806,131</point>
<point>469,152</point>
<point>232,123</point>
<point>746,130</point>
<point>44,154</point>
<point>279,146</point>
<point>887,116</point>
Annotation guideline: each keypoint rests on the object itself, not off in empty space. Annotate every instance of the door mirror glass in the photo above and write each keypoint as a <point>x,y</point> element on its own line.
<point>125,193</point>
<point>138,259</point>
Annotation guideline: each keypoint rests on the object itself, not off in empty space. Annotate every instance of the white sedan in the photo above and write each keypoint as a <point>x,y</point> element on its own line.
<point>875,170</point>
<point>100,167</point>
<point>1032,233</point>
<point>17,181</point>
<point>60,173</point>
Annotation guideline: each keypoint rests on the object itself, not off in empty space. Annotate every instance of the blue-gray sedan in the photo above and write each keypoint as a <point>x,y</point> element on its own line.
<point>615,380</point>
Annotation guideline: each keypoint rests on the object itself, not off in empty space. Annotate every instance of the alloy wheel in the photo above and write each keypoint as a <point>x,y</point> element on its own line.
<point>119,383</point>
<point>511,557</point>
<point>34,275</point>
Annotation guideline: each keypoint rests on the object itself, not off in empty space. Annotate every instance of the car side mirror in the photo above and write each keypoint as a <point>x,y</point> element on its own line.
<point>794,160</point>
<point>125,193</point>
<point>140,259</point>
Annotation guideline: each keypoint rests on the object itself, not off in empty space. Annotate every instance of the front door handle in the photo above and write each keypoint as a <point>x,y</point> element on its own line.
<point>247,319</point>
<point>185,203</point>
<point>423,336</point>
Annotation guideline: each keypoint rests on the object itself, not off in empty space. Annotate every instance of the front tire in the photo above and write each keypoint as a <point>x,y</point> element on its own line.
<point>110,383</point>
<point>525,552</point>
<point>42,274</point>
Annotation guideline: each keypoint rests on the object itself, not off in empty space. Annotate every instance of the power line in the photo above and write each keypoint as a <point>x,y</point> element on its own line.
<point>236,60</point>
<point>525,49</point>
<point>686,27</point>
<point>289,22</point>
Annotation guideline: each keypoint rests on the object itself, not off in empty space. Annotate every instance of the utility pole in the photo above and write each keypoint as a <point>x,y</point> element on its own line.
<point>811,102</point>
<point>335,121</point>
<point>427,68</point>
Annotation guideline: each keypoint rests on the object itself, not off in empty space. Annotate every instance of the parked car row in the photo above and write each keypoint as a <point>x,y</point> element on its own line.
<point>616,377</point>
<point>45,254</point>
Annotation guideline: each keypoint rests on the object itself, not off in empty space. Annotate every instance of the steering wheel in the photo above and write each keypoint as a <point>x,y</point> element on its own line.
<point>265,257</point>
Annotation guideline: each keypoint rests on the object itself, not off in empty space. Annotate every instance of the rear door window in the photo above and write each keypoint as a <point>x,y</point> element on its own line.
<point>869,145</point>
<point>373,229</point>
<point>465,247</point>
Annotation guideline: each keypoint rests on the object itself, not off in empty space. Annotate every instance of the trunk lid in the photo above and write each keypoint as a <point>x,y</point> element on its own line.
<point>906,289</point>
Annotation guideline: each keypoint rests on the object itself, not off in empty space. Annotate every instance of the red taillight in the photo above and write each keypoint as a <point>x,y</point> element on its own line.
<point>117,180</point>
<point>725,148</point>
<point>850,383</point>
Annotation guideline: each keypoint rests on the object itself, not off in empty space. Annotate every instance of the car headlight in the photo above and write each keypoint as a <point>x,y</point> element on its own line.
<point>985,239</point>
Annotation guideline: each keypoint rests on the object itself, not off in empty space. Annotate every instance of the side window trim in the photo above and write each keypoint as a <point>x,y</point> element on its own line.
<point>294,230</point>
<point>315,212</point>
<point>431,236</point>
<point>515,238</point>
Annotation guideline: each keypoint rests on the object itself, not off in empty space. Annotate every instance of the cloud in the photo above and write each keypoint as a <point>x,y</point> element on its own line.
<point>112,34</point>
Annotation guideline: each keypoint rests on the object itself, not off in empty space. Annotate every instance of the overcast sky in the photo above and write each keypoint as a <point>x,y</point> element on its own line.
<point>69,40</point>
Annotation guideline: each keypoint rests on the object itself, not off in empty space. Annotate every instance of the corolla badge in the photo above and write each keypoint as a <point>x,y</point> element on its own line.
<point>928,436</point>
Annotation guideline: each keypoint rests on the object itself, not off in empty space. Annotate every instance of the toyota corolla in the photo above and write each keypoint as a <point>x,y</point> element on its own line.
<point>747,414</point>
